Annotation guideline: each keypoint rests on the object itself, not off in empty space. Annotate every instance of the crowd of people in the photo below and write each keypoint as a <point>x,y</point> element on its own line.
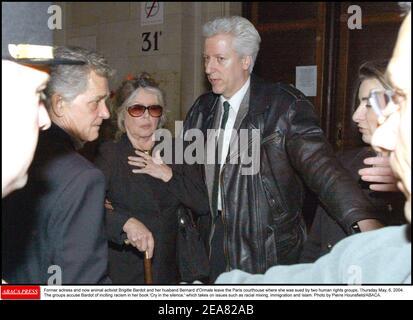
<point>96,222</point>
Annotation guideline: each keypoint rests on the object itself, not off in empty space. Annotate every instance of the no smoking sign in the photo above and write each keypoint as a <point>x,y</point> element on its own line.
<point>151,13</point>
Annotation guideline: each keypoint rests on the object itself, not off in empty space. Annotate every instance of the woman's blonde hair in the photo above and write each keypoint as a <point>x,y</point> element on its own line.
<point>128,91</point>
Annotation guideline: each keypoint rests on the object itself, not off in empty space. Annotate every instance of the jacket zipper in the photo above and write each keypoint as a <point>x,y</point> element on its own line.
<point>259,232</point>
<point>211,235</point>
<point>223,211</point>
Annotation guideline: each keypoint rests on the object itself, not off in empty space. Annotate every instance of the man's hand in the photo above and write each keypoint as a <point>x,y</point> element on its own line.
<point>381,173</point>
<point>154,166</point>
<point>139,236</point>
<point>108,205</point>
<point>369,224</point>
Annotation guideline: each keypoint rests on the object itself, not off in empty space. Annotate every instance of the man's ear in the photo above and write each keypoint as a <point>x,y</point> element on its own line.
<point>57,105</point>
<point>246,62</point>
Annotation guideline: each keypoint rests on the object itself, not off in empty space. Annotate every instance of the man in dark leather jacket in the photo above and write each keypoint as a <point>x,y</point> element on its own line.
<point>256,219</point>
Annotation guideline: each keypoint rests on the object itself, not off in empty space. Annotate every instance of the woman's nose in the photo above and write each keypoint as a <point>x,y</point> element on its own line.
<point>359,114</point>
<point>146,114</point>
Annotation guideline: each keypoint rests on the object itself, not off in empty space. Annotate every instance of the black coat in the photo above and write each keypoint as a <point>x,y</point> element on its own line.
<point>326,232</point>
<point>57,219</point>
<point>152,202</point>
<point>262,212</point>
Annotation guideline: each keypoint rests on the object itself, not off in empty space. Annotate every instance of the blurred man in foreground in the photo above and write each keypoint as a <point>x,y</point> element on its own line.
<point>23,115</point>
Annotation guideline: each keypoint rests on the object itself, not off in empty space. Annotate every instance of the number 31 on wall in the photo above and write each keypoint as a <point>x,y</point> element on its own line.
<point>150,41</point>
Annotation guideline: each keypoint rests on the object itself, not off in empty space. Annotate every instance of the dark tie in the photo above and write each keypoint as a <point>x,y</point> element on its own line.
<point>217,161</point>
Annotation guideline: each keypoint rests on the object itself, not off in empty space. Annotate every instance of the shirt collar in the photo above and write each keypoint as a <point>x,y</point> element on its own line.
<point>236,99</point>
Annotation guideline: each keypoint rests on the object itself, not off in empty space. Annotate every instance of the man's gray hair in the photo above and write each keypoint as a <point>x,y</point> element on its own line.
<point>246,38</point>
<point>71,80</point>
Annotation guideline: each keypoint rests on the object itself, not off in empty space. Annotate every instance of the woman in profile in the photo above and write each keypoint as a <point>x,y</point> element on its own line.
<point>326,232</point>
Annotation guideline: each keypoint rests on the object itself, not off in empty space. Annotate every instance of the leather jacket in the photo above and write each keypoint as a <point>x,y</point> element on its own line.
<point>262,213</point>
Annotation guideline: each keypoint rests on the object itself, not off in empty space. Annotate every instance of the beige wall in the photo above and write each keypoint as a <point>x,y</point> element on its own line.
<point>114,29</point>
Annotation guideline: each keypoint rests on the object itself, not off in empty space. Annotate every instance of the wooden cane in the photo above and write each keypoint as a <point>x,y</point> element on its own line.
<point>147,266</point>
<point>147,263</point>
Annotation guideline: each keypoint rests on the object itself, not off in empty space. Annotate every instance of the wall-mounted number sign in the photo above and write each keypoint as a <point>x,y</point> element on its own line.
<point>150,41</point>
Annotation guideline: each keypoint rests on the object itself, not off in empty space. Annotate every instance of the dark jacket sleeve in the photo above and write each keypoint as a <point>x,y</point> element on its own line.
<point>312,156</point>
<point>312,245</point>
<point>188,186</point>
<point>81,246</point>
<point>115,219</point>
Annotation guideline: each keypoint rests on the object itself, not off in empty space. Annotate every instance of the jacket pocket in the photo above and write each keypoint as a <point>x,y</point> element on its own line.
<point>275,138</point>
<point>273,201</point>
<point>270,248</point>
<point>242,148</point>
<point>290,241</point>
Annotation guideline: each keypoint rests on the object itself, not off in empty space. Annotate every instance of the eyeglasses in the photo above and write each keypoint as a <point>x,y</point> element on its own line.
<point>379,99</point>
<point>137,110</point>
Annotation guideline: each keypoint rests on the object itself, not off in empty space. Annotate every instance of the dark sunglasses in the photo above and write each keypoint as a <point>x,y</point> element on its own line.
<point>137,110</point>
